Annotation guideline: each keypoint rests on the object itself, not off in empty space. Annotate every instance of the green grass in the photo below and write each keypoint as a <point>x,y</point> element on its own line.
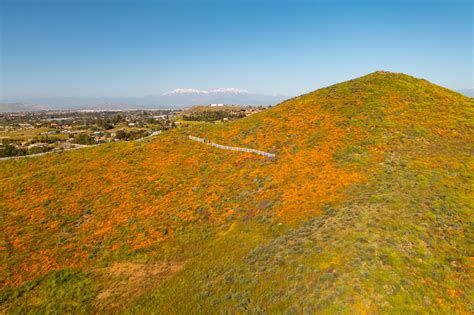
<point>62,291</point>
<point>29,133</point>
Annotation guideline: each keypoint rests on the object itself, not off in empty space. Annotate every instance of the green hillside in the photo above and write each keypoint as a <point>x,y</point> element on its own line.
<point>366,208</point>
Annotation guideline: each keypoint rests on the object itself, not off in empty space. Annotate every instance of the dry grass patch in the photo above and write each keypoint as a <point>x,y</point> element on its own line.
<point>125,280</point>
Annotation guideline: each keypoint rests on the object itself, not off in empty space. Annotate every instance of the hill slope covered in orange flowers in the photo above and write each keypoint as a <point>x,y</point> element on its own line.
<point>366,208</point>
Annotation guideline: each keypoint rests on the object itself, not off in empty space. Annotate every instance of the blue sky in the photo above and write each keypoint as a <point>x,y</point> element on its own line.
<point>136,48</point>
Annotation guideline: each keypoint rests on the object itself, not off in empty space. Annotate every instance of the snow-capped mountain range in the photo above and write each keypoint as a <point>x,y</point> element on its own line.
<point>177,98</point>
<point>215,91</point>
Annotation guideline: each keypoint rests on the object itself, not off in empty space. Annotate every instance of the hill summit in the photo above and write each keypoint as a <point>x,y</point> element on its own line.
<point>366,208</point>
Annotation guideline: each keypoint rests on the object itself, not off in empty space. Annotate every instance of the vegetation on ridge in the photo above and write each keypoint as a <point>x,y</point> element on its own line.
<point>367,208</point>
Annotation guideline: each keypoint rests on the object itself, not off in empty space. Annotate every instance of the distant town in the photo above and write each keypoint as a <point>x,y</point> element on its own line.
<point>38,132</point>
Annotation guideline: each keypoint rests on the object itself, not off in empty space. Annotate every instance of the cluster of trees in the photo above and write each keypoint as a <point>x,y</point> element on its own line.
<point>107,123</point>
<point>83,138</point>
<point>8,149</point>
<point>130,135</point>
<point>44,139</point>
<point>210,116</point>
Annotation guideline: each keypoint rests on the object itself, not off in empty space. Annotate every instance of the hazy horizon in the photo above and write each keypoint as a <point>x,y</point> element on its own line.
<point>174,99</point>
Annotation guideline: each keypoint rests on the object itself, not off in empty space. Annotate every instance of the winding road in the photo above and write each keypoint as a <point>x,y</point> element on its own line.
<point>78,146</point>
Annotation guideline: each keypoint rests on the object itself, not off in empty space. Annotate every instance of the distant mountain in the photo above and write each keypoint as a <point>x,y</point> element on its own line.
<point>177,98</point>
<point>21,107</point>
<point>467,92</point>
<point>190,97</point>
<point>205,92</point>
